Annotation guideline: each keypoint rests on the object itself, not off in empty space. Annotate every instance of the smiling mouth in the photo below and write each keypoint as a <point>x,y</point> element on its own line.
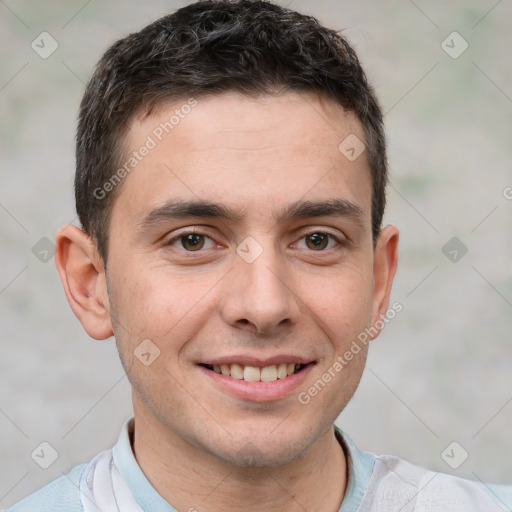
<point>255,374</point>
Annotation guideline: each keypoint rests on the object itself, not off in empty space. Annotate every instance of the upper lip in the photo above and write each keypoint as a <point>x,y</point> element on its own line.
<point>260,362</point>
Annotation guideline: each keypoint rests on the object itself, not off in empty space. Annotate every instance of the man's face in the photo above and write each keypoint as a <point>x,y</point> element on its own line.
<point>262,287</point>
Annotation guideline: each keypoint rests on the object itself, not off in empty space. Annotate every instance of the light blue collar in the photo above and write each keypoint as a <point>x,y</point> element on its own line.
<point>143,492</point>
<point>360,468</point>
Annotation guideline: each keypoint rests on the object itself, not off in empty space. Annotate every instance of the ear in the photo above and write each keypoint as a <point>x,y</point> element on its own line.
<point>384,267</point>
<point>82,273</point>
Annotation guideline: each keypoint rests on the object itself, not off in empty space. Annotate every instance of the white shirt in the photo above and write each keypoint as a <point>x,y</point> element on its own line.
<point>113,482</point>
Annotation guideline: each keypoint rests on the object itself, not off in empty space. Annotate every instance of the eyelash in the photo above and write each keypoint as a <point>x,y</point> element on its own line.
<point>173,240</point>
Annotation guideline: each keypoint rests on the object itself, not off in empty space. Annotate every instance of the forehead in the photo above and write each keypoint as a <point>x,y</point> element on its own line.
<point>250,152</point>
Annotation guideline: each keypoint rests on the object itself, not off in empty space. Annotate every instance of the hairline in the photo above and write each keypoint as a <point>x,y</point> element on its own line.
<point>143,111</point>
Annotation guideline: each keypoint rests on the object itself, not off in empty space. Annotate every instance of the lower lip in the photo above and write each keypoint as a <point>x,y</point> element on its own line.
<point>259,391</point>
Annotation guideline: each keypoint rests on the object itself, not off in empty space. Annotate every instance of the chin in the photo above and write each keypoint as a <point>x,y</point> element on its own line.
<point>262,451</point>
<point>251,455</point>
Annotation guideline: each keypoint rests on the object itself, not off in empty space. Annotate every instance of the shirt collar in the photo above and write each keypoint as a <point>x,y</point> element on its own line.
<point>360,467</point>
<point>143,492</point>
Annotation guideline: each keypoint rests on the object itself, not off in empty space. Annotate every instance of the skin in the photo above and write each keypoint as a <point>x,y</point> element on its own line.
<point>199,445</point>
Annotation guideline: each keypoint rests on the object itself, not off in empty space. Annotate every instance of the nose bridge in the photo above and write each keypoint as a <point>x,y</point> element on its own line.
<point>260,291</point>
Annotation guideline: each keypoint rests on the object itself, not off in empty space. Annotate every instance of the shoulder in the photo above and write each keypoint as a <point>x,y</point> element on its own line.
<point>60,495</point>
<point>415,488</point>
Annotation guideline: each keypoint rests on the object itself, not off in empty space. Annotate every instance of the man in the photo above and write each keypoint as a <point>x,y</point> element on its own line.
<point>230,184</point>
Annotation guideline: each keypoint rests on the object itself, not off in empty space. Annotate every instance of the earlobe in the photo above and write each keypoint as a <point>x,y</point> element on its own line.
<point>82,273</point>
<point>384,269</point>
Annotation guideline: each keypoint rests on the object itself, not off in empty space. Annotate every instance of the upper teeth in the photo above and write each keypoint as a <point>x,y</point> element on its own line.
<point>255,374</point>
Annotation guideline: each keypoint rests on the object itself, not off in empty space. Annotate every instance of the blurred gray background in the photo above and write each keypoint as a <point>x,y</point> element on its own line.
<point>441,370</point>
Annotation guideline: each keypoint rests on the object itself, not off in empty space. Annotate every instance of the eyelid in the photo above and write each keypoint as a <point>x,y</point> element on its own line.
<point>340,240</point>
<point>309,230</point>
<point>187,231</point>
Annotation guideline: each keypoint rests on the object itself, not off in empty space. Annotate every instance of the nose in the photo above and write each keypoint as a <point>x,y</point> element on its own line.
<point>260,295</point>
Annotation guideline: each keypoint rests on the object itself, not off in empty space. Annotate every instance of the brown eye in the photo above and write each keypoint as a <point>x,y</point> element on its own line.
<point>192,242</point>
<point>317,241</point>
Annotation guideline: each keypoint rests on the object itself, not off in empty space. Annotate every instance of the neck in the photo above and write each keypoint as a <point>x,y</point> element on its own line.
<point>192,480</point>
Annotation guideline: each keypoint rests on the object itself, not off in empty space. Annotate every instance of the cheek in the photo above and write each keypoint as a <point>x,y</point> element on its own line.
<point>159,303</point>
<point>341,302</point>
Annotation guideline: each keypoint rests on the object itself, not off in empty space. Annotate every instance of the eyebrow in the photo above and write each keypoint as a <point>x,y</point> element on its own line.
<point>180,209</point>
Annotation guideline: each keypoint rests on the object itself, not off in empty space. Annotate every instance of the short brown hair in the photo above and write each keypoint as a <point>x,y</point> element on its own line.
<point>208,47</point>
